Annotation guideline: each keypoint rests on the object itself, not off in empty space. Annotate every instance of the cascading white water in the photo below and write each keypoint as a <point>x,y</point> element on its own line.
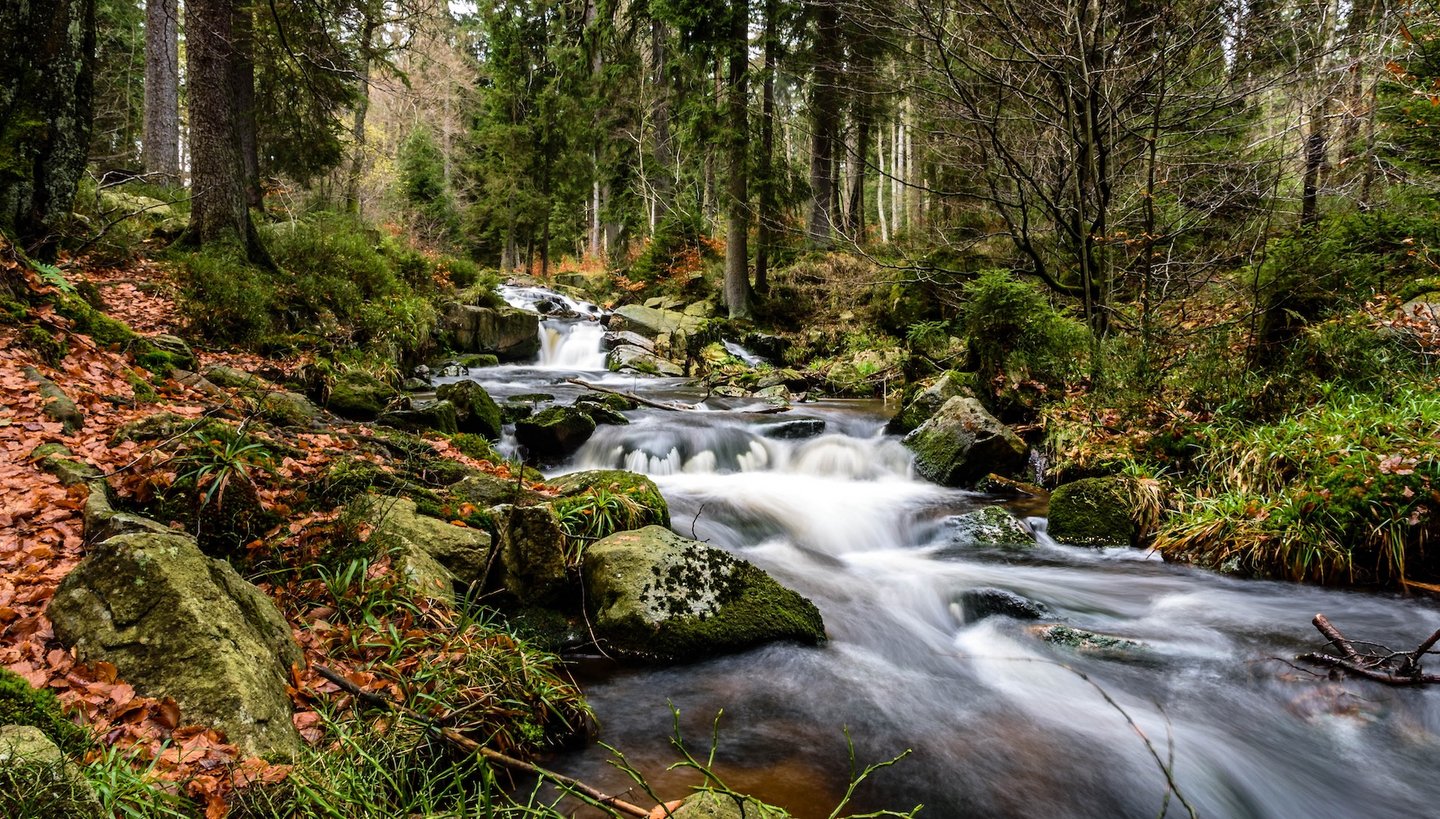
<point>750,359</point>
<point>1002,723</point>
<point>573,338</point>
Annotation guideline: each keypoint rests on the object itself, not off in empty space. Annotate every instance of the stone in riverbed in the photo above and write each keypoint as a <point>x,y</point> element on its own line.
<point>1097,512</point>
<point>657,596</point>
<point>977,604</point>
<point>717,805</point>
<point>990,526</point>
<point>918,406</point>
<point>475,410</point>
<point>507,332</point>
<point>962,443</point>
<point>554,432</point>
<point>636,487</point>
<point>634,359</point>
<point>795,430</point>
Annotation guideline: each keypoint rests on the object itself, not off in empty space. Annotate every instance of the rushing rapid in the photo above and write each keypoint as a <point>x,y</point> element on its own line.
<point>999,723</point>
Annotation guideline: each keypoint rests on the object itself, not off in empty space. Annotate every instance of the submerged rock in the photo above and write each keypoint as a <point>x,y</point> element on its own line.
<point>991,526</point>
<point>1098,512</point>
<point>962,443</point>
<point>977,604</point>
<point>655,595</point>
<point>1087,641</point>
<point>475,410</point>
<point>178,624</point>
<point>795,430</point>
<point>554,432</point>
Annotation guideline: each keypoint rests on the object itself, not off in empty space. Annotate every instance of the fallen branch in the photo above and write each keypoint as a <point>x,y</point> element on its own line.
<point>469,745</point>
<point>632,396</point>
<point>1381,665</point>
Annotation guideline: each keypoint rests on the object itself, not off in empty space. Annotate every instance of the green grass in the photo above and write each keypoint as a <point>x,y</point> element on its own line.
<point>1341,493</point>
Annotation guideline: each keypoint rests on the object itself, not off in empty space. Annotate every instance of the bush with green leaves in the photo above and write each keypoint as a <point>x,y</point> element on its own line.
<point>1023,347</point>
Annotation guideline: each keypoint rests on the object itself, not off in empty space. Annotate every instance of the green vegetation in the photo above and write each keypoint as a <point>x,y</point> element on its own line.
<point>22,704</point>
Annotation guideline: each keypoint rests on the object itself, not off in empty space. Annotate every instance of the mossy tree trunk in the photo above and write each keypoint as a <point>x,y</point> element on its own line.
<point>160,145</point>
<point>46,82</point>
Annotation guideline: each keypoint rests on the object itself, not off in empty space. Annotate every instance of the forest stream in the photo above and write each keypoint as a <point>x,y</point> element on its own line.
<point>999,723</point>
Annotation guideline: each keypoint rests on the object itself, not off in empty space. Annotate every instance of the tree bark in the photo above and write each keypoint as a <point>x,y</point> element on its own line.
<point>218,211</point>
<point>769,207</point>
<point>46,84</point>
<point>160,140</point>
<point>737,206</point>
<point>242,74</point>
<point>824,122</point>
<point>362,110</point>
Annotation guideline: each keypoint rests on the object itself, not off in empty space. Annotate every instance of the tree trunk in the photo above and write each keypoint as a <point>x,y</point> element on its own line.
<point>825,122</point>
<point>160,142</point>
<point>769,207</point>
<point>664,148</point>
<point>46,83</point>
<point>855,219</point>
<point>242,72</point>
<point>218,212</point>
<point>737,227</point>
<point>362,109</point>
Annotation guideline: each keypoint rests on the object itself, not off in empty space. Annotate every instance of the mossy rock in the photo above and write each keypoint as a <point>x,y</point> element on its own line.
<point>287,409</point>
<point>475,411</point>
<point>176,623</point>
<point>554,432</point>
<point>720,805</point>
<point>636,487</point>
<point>359,396</point>
<point>990,526</point>
<point>37,781</point>
<point>534,553</point>
<point>1096,512</point>
<point>429,416</point>
<point>656,596</point>
<point>963,443</point>
<point>433,554</point>
<point>23,704</point>
<point>478,360</point>
<point>484,491</point>
<point>618,403</point>
<point>920,402</point>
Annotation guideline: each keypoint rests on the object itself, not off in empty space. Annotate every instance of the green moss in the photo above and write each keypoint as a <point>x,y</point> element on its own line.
<point>1094,512</point>
<point>359,396</point>
<point>44,344</point>
<point>477,447</point>
<point>106,331</point>
<point>21,704</point>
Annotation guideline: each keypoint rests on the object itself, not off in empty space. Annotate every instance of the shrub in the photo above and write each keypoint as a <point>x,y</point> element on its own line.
<point>1022,346</point>
<point>225,298</point>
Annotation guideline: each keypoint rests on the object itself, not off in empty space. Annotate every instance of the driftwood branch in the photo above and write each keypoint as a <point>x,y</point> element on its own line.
<point>464,743</point>
<point>1379,665</point>
<point>661,405</point>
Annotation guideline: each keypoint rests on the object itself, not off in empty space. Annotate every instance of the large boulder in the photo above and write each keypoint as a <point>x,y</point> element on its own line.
<point>920,403</point>
<point>475,410</point>
<point>534,553</point>
<point>1098,512</point>
<point>359,396</point>
<point>178,624</point>
<point>510,333</point>
<point>423,542</point>
<point>650,504</point>
<point>655,595</point>
<point>39,781</point>
<point>625,338</point>
<point>962,443</point>
<point>554,432</point>
<point>652,322</point>
<point>483,490</point>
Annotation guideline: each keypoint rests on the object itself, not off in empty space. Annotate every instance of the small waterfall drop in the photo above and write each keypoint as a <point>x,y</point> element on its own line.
<point>571,334</point>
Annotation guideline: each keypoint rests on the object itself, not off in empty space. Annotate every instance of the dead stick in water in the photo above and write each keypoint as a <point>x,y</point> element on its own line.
<point>471,746</point>
<point>1322,623</point>
<point>630,395</point>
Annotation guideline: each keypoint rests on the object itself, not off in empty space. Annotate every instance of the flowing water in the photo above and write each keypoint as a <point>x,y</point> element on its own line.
<point>999,723</point>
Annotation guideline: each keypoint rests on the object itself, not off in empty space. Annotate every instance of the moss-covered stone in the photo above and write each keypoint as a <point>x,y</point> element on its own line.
<point>37,781</point>
<point>533,553</point>
<point>1098,512</point>
<point>475,411</point>
<point>554,432</point>
<point>429,416</point>
<point>359,396</point>
<point>655,595</point>
<point>57,407</point>
<point>719,805</point>
<point>287,409</point>
<point>478,360</point>
<point>1089,642</point>
<point>962,443</point>
<point>638,488</point>
<point>23,704</point>
<point>484,491</point>
<point>179,624</point>
<point>921,401</point>
<point>990,526</point>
